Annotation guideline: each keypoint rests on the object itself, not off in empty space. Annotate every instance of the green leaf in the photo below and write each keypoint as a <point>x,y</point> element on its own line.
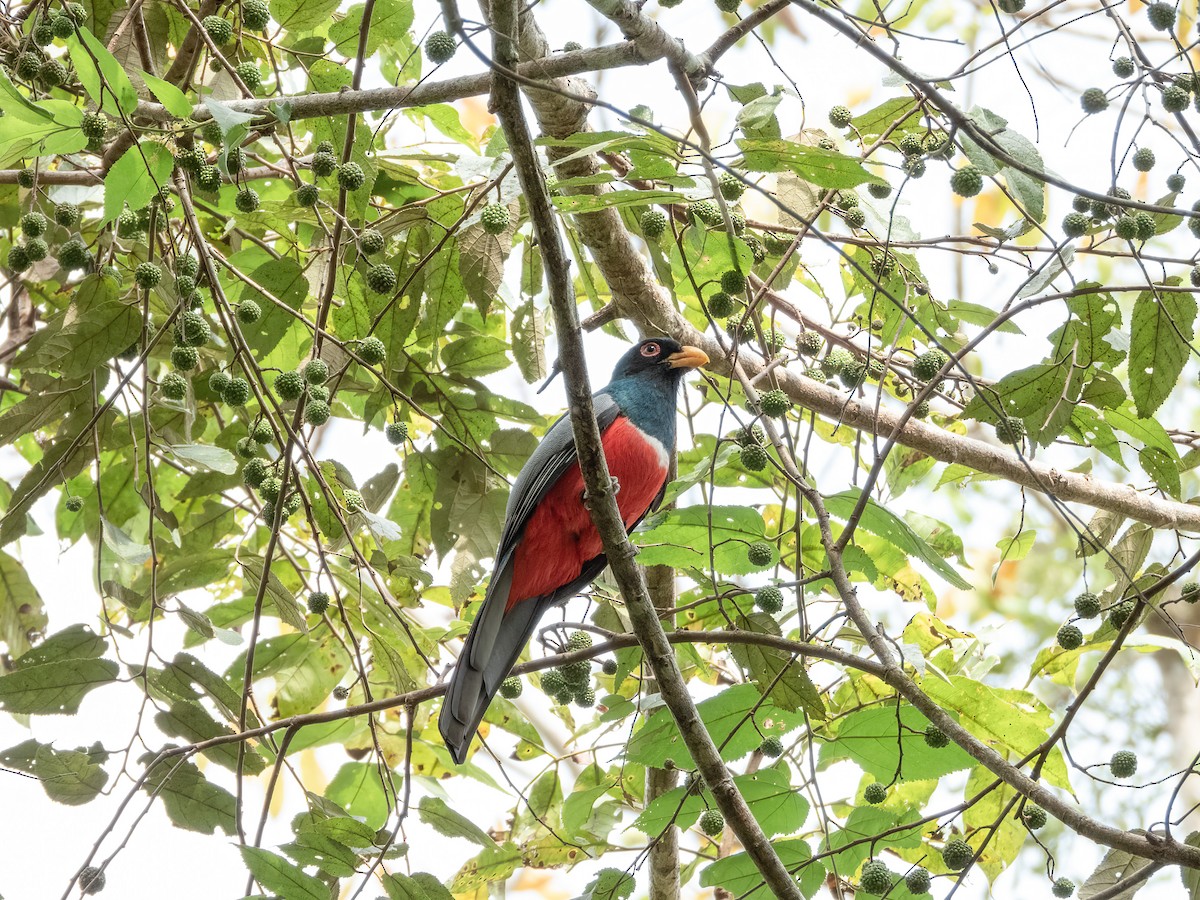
<point>978,314</point>
<point>776,805</point>
<point>192,801</point>
<point>192,723</point>
<point>609,884</point>
<point>22,612</point>
<point>1191,877</point>
<point>435,812</point>
<point>216,459</point>
<point>696,537</point>
<point>880,521</point>
<point>72,777</point>
<point>91,331</point>
<point>472,357</point>
<point>824,168</point>
<point>102,76</point>
<point>779,676</point>
<point>17,106</point>
<point>1163,327</point>
<point>175,101</point>
<point>421,886</point>
<point>737,719</point>
<point>1117,866</point>
<point>55,688</point>
<point>583,203</point>
<point>357,789</point>
<point>298,16</point>
<point>279,876</point>
<point>56,134</point>
<point>883,742</point>
<point>901,112</point>
<point>136,178</point>
<point>738,874</point>
<point>276,593</point>
<point>493,864</point>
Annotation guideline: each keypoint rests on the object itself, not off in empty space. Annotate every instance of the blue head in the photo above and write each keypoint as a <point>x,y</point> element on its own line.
<point>646,380</point>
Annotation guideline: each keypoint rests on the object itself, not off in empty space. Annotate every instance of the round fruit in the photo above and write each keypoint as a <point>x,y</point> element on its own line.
<point>1012,7</point>
<point>966,182</point>
<point>1075,224</point>
<point>26,178</point>
<point>510,688</point>
<point>1122,67</point>
<point>769,599</point>
<point>147,275</point>
<point>495,218</point>
<point>192,330</point>
<point>585,698</point>
<point>731,186</point>
<point>254,472</point>
<point>572,46</point>
<point>1161,16</point>
<point>935,737</point>
<point>579,640</point>
<point>1175,182</point>
<point>316,371</point>
<point>810,343</point>
<point>247,200</point>
<point>372,351</point>
<point>91,880</point>
<point>840,117</point>
<point>324,163</point>
<point>307,195</point>
<point>957,854</point>
<point>927,366</point>
<point>553,682</point>
<point>1034,817</point>
<point>760,554</point>
<point>350,176</point>
<point>262,433</point>
<point>853,375</point>
<point>396,433</point>
<point>173,386</point>
<point>609,667</point>
<point>289,385</point>
<point>218,381</point>
<point>914,167</point>
<point>341,692</point>
<point>237,393</point>
<point>1175,99</point>
<point>67,215</point>
<point>1146,226</point>
<point>62,26</point>
<point>1123,764</point>
<point>1093,101</point>
<point>248,312</point>
<point>271,488</point>
<point>707,212</point>
<point>1143,159</point>
<point>1190,592</point>
<point>371,242</point>
<point>354,501</point>
<point>185,358</point>
<point>875,793</point>
<point>1087,605</point>
<point>775,403</point>
<point>74,255</point>
<point>753,458</point>
<point>1010,429</point>
<point>440,47</point>
<point>1119,614</point>
<point>18,259</point>
<point>1063,887</point>
<point>879,191</point>
<point>876,877</point>
<point>733,282</point>
<point>1069,637</point>
<point>218,29</point>
<point>654,223</point>
<point>381,278</point>
<point>209,179</point>
<point>1126,228</point>
<point>712,822</point>
<point>771,747</point>
<point>256,14</point>
<point>245,448</point>
<point>52,73</point>
<point>250,75</point>
<point>721,305</point>
<point>34,224</point>
<point>918,881</point>
<point>74,504</point>
<point>855,218</point>
<point>316,413</point>
<point>36,249</point>
<point>318,602</point>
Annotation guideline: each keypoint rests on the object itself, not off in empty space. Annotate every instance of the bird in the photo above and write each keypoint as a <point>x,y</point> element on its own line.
<point>549,549</point>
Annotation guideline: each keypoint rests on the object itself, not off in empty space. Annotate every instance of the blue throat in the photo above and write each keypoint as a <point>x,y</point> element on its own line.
<point>648,400</point>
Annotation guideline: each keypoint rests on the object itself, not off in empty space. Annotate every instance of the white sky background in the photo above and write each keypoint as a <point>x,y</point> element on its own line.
<point>38,853</point>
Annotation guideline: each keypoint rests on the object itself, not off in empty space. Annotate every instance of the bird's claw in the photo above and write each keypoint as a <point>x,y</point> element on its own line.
<point>616,489</point>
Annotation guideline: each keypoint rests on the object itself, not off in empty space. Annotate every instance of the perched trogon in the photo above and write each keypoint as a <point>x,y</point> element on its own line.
<point>549,549</point>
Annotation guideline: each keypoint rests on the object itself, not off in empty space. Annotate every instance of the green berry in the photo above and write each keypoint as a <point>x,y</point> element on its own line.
<point>74,255</point>
<point>654,223</point>
<point>775,403</point>
<point>1034,817</point>
<point>585,698</point>
<point>381,278</point>
<point>261,433</point>
<point>26,178</point>
<point>77,12</point>
<point>769,600</point>
<point>52,73</point>
<point>254,472</point>
<point>128,225</point>
<point>1126,227</point>
<point>753,458</point>
<point>250,75</point>
<point>1161,16</point>
<point>840,117</point>
<point>733,282</point>
<point>927,366</point>
<point>235,160</point>
<point>731,186</point>
<point>1010,429</point>
<point>1122,67</point>
<point>318,602</point>
<point>510,688</point>
<point>237,393</point>
<point>440,47</point>
<point>192,330</point>
<point>879,191</point>
<point>918,881</point>
<point>218,381</point>
<point>289,386</point>
<point>187,266</point>
<point>875,793</point>
<point>1093,101</point>
<point>1119,614</point>
<point>1123,764</point>
<point>218,29</point>
<point>372,351</point>
<point>173,386</point>
<point>853,375</point>
<point>1012,7</point>
<point>771,747</point>
<point>1175,99</point>
<point>856,218</point>
<point>711,822</point>
<point>62,26</point>
<point>876,877</point>
<point>36,249</point>
<point>913,166</point>
<point>1075,224</point>
<point>396,433</point>
<point>1190,592</point>
<point>324,164</point>
<point>707,212</point>
<point>371,242</point>
<point>28,65</point>
<point>43,33</point>
<point>810,343</point>
<point>354,501</point>
<point>91,880</point>
<point>1175,182</point>
<point>307,195</point>
<point>966,182</point>
<point>184,285</point>
<point>67,215</point>
<point>1146,226</point>
<point>609,667</point>
<point>721,305</point>
<point>74,504</point>
<point>957,854</point>
<point>760,554</point>
<point>1143,159</point>
<point>350,176</point>
<point>935,737</point>
<point>572,46</point>
<point>1069,637</point>
<point>316,371</point>
<point>249,312</point>
<point>1063,887</point>
<point>245,448</point>
<point>553,683</point>
<point>185,358</point>
<point>34,224</point>
<point>271,488</point>
<point>495,218</point>
<point>316,413</point>
<point>256,15</point>
<point>579,640</point>
<point>1087,605</point>
<point>18,258</point>
<point>751,435</point>
<point>247,200</point>
<point>208,179</point>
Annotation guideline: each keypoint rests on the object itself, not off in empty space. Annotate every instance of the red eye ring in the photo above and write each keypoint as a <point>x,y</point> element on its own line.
<point>651,348</point>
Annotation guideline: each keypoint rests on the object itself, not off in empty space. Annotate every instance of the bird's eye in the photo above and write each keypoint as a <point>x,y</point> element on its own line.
<point>650,349</point>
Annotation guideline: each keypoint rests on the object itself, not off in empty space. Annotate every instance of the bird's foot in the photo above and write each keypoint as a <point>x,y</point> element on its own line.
<point>616,489</point>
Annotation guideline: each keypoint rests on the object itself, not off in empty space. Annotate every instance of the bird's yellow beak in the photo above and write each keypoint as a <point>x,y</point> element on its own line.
<point>688,358</point>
